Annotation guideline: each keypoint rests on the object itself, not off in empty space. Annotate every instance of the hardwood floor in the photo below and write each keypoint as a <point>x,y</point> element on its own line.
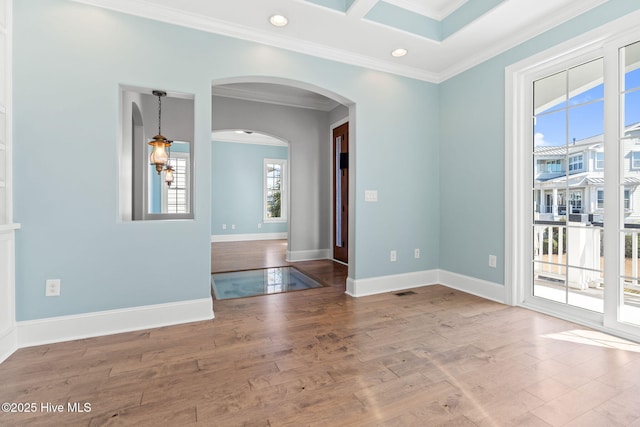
<point>235,256</point>
<point>319,357</point>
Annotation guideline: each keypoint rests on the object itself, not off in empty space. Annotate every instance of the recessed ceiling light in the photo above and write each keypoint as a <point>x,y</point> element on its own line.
<point>399,52</point>
<point>278,20</point>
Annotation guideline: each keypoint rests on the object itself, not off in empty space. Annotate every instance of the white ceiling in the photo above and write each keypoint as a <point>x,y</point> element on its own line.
<point>443,37</point>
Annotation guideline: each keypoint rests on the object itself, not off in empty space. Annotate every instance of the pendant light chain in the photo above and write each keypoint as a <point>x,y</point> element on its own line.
<point>159,113</point>
<point>159,156</point>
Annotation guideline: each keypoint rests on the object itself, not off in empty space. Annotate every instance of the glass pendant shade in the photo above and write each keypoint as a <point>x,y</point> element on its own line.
<point>159,156</point>
<point>168,176</point>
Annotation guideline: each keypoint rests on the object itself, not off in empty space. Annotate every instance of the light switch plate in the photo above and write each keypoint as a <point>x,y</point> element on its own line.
<point>492,261</point>
<point>370,195</point>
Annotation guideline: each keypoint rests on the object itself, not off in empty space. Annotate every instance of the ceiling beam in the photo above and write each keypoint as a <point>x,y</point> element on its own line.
<point>360,8</point>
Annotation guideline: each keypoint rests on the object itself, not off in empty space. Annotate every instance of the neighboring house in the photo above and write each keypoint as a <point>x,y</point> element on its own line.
<point>570,179</point>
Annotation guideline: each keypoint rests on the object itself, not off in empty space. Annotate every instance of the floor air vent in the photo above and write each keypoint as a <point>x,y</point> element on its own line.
<point>405,293</point>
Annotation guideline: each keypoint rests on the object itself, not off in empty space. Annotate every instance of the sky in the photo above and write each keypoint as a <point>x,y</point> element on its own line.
<point>585,114</point>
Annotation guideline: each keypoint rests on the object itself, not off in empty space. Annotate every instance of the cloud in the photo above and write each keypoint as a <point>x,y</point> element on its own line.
<point>539,141</point>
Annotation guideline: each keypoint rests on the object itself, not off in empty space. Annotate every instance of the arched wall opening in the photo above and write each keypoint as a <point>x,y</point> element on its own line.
<point>303,115</point>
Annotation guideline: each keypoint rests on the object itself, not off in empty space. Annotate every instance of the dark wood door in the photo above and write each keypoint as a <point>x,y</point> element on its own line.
<point>341,193</point>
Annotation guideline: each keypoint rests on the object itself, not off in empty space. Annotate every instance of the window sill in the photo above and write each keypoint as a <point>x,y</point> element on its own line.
<point>274,221</point>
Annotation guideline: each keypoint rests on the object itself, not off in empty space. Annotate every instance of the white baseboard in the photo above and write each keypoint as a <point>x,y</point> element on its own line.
<point>8,343</point>
<point>396,282</point>
<point>308,255</point>
<point>471,285</point>
<point>378,285</point>
<point>66,328</point>
<point>247,237</point>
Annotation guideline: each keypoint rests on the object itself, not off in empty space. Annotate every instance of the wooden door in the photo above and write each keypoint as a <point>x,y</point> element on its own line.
<point>341,193</point>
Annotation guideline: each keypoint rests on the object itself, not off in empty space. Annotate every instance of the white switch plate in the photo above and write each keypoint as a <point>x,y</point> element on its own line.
<point>233,226</point>
<point>52,288</point>
<point>416,253</point>
<point>224,226</point>
<point>370,195</point>
<point>393,256</point>
<point>492,261</point>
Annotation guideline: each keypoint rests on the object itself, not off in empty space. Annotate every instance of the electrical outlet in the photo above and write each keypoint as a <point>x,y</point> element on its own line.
<point>416,253</point>
<point>52,288</point>
<point>233,226</point>
<point>493,261</point>
<point>393,256</point>
<point>259,225</point>
<point>224,226</point>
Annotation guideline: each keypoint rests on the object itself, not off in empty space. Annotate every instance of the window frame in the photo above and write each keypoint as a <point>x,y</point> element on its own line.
<point>599,160</point>
<point>600,198</point>
<point>283,191</point>
<point>633,160</point>
<point>575,165</point>
<point>187,189</point>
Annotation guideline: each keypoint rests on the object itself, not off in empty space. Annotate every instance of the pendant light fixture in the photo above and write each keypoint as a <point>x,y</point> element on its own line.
<point>168,175</point>
<point>159,156</point>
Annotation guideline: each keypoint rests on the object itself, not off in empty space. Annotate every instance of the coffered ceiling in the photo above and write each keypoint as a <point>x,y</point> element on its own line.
<point>442,37</point>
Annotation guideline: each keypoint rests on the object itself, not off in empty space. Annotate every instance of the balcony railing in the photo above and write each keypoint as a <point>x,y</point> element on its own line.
<point>576,254</point>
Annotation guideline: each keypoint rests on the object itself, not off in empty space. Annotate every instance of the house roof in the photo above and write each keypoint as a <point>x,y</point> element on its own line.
<point>593,143</point>
<point>628,180</point>
<point>581,179</point>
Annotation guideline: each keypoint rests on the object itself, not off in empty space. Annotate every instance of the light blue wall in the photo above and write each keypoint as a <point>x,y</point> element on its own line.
<point>236,187</point>
<point>472,150</point>
<point>69,59</point>
<point>310,162</point>
<point>399,157</point>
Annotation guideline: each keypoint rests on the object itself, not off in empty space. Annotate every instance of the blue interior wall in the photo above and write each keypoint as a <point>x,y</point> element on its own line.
<point>69,59</point>
<point>237,187</point>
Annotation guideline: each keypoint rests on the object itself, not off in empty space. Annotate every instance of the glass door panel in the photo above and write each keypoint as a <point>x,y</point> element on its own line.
<point>568,155</point>
<point>549,282</point>
<point>629,185</point>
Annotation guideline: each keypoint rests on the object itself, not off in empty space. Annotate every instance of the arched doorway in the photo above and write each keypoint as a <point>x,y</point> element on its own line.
<point>303,115</point>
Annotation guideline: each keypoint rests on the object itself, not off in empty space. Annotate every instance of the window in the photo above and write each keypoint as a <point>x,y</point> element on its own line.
<point>600,199</point>
<point>575,163</point>
<point>275,190</point>
<point>599,160</point>
<point>575,201</point>
<point>550,166</point>
<point>175,198</point>
<point>627,199</point>
<point>635,160</point>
